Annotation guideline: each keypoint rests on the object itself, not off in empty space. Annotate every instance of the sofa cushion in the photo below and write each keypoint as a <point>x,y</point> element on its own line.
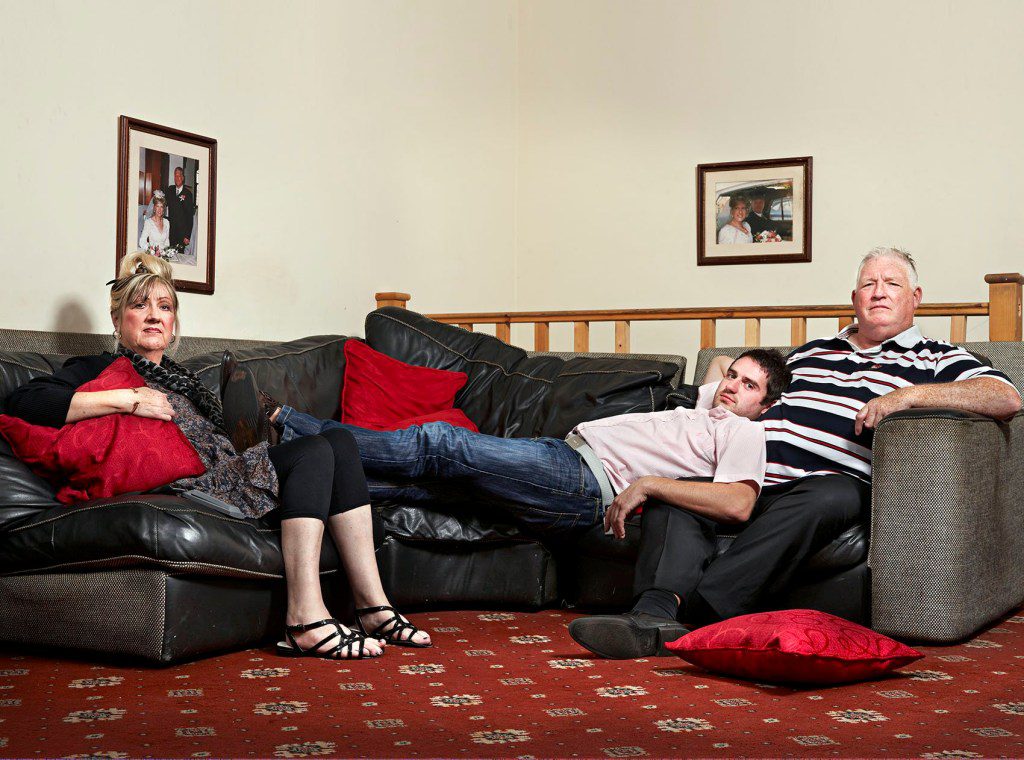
<point>848,549</point>
<point>448,523</point>
<point>382,393</point>
<point>22,493</point>
<point>304,373</point>
<point>148,530</point>
<point>107,455</point>
<point>512,394</point>
<point>18,367</point>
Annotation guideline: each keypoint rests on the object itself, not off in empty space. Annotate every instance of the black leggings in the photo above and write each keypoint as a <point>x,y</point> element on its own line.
<point>319,475</point>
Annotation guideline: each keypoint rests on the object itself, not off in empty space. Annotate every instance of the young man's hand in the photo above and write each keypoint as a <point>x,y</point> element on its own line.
<point>625,504</point>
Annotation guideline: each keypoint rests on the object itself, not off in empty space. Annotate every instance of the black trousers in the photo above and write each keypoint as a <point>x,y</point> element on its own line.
<point>789,523</point>
<point>319,475</point>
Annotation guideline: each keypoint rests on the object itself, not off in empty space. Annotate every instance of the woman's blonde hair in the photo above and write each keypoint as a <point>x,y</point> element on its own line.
<point>138,274</point>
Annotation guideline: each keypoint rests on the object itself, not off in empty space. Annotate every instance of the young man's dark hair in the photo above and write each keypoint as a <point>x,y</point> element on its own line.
<point>774,365</point>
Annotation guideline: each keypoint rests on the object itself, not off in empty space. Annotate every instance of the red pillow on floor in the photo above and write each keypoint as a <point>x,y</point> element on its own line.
<point>793,646</point>
<point>382,393</point>
<point>108,455</point>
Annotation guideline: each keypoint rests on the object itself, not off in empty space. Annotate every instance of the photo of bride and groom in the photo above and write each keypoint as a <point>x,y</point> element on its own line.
<point>167,222</point>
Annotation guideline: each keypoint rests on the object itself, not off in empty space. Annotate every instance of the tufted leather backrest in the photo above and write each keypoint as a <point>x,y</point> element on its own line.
<point>513,394</point>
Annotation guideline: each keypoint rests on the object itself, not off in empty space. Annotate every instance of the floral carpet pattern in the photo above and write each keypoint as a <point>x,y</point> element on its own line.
<point>507,684</point>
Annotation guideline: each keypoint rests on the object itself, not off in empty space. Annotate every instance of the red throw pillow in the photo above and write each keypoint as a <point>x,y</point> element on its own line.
<point>108,455</point>
<point>793,646</point>
<point>382,393</point>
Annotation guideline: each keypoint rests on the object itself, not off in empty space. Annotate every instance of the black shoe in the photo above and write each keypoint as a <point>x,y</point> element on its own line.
<point>244,418</point>
<point>626,637</point>
<point>228,364</point>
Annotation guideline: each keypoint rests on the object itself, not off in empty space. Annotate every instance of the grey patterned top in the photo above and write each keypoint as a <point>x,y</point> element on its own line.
<point>247,480</point>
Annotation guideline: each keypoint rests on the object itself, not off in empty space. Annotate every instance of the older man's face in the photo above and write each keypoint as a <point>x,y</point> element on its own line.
<point>883,300</point>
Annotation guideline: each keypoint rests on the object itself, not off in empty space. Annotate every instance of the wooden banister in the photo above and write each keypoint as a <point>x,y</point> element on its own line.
<point>1004,310</point>
<point>392,299</point>
<point>1004,322</point>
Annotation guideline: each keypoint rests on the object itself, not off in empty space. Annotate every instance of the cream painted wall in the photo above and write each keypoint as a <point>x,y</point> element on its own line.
<point>518,154</point>
<point>363,146</point>
<point>912,111</point>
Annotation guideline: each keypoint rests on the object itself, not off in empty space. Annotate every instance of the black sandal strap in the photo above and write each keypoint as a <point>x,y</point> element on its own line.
<point>369,610</point>
<point>303,627</point>
<point>390,630</point>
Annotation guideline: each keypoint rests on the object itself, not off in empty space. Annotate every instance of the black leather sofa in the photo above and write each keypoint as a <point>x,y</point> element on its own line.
<point>162,579</point>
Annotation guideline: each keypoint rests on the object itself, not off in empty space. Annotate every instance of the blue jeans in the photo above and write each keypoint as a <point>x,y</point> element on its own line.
<point>542,482</point>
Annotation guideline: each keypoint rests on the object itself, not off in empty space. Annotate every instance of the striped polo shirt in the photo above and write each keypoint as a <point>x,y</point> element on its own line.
<point>809,431</point>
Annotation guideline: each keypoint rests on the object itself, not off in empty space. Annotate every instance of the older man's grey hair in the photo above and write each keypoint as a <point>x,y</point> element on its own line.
<point>897,254</point>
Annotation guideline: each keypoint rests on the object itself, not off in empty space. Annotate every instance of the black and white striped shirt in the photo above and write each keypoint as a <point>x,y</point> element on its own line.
<point>810,430</point>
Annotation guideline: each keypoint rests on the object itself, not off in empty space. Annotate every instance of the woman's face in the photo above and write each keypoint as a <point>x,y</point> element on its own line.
<point>158,209</point>
<point>148,323</point>
<point>739,212</point>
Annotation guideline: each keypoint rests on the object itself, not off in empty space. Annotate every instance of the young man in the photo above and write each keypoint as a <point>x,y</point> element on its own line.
<point>553,486</point>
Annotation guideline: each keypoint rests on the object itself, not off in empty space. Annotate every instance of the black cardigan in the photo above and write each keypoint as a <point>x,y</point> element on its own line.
<point>46,400</point>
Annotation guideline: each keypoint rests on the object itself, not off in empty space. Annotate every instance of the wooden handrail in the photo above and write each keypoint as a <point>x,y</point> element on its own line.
<point>1004,310</point>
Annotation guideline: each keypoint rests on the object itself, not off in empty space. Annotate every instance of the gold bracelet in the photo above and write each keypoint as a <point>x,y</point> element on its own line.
<point>136,405</point>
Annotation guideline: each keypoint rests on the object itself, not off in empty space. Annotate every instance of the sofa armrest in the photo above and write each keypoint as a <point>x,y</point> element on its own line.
<point>947,523</point>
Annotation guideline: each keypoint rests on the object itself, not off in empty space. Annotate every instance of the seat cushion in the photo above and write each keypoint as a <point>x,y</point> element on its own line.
<point>147,530</point>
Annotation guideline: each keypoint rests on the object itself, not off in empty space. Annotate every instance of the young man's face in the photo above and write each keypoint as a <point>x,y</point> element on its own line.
<point>743,388</point>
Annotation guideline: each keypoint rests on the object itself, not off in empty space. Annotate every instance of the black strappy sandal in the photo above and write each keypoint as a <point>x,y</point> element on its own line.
<point>391,629</point>
<point>349,640</point>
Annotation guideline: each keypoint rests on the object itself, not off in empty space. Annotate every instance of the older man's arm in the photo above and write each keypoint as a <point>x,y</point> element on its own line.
<point>982,395</point>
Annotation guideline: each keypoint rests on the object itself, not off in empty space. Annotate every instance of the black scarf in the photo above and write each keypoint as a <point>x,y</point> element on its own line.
<point>174,377</point>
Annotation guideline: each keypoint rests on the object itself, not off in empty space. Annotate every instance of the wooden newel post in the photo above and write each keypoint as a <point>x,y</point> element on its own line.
<point>400,300</point>
<point>1004,306</point>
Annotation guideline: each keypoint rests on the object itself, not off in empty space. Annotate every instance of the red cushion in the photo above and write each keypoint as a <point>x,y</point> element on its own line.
<point>108,455</point>
<point>382,393</point>
<point>796,646</point>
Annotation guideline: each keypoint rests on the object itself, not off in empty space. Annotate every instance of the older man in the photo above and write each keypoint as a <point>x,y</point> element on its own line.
<point>817,480</point>
<point>181,209</point>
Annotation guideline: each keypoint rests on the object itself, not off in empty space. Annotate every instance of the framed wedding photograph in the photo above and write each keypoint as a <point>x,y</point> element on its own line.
<point>754,212</point>
<point>166,200</point>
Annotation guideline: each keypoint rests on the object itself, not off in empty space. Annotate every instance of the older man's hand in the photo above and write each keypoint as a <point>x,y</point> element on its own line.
<point>625,504</point>
<point>877,409</point>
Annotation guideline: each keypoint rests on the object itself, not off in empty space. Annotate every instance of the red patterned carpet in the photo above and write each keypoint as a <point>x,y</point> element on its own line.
<point>507,685</point>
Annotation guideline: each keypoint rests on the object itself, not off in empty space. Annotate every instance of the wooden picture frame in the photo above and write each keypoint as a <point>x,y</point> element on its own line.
<point>149,160</point>
<point>781,233</point>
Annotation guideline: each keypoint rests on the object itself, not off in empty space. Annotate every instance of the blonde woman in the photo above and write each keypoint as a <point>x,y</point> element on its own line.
<point>314,483</point>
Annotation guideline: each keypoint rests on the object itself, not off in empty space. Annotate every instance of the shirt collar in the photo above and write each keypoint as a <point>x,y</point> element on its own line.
<point>906,339</point>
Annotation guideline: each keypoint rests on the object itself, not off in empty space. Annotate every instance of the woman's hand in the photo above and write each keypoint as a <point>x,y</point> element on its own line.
<point>142,402</point>
<point>152,404</point>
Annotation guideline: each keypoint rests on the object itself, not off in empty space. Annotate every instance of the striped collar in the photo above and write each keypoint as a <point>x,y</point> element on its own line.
<point>906,339</point>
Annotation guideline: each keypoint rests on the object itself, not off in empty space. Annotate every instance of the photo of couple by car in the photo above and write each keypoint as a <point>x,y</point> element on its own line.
<point>754,212</point>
